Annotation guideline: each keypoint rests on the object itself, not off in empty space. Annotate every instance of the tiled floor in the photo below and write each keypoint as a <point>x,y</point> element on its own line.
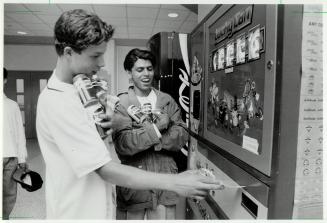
<point>31,205</point>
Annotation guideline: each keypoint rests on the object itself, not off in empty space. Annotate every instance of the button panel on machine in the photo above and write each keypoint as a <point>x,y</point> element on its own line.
<point>234,200</point>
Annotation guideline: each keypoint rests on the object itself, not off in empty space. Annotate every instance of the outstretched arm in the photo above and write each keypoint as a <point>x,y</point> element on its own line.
<point>189,184</point>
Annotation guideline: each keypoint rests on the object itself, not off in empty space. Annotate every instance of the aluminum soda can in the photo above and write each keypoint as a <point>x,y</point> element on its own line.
<point>147,109</point>
<point>136,113</point>
<point>85,90</point>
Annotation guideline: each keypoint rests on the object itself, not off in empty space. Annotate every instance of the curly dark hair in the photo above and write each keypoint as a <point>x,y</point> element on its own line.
<point>136,54</point>
<point>79,29</point>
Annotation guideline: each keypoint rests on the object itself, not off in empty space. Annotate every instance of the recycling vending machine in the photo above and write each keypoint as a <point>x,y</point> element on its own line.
<point>256,111</point>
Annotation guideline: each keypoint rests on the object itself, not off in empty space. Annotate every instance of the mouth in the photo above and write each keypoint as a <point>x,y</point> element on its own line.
<point>146,80</point>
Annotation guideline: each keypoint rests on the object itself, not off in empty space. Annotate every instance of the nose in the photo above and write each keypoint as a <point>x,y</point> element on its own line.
<point>101,62</point>
<point>146,72</point>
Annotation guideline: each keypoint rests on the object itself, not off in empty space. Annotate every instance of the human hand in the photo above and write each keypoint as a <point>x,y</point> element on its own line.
<point>112,121</point>
<point>194,184</point>
<point>162,121</point>
<point>23,166</point>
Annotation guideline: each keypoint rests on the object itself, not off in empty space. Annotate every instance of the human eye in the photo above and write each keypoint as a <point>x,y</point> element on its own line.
<point>150,68</point>
<point>140,69</point>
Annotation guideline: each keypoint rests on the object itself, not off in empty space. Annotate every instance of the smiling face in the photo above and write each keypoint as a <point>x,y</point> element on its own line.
<point>142,75</point>
<point>89,61</point>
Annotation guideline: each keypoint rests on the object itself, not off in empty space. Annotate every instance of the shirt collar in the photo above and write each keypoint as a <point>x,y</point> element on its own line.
<point>56,84</point>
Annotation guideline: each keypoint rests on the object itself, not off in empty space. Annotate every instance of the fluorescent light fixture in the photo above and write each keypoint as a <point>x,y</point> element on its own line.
<point>172,15</point>
<point>21,32</point>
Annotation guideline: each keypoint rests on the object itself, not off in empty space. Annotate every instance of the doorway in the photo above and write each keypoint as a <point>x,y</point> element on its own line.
<point>24,87</point>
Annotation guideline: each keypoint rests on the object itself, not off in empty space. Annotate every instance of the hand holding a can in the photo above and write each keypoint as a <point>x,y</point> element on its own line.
<point>162,121</point>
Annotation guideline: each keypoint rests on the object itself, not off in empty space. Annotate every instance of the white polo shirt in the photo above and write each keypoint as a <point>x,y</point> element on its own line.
<point>14,142</point>
<point>72,150</point>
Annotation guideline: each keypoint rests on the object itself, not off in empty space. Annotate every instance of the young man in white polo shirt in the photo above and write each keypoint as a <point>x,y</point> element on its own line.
<point>78,164</point>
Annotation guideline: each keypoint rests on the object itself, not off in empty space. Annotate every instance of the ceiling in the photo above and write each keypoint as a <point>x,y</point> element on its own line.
<point>131,21</point>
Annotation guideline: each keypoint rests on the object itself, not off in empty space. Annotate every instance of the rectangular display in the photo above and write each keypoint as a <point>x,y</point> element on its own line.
<point>238,113</point>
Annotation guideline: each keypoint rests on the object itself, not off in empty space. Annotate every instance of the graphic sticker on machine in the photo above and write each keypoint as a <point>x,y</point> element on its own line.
<point>196,72</point>
<point>235,112</point>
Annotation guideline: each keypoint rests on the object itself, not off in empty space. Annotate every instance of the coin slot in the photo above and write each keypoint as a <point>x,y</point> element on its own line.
<point>249,205</point>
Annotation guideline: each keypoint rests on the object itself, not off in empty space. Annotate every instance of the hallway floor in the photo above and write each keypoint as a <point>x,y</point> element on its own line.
<point>31,205</point>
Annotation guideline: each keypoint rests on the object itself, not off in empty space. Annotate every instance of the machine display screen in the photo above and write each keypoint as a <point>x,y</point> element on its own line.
<point>237,95</point>
<point>236,90</point>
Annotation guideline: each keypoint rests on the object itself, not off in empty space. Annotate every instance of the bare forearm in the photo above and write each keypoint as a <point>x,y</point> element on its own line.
<point>132,177</point>
<point>188,184</point>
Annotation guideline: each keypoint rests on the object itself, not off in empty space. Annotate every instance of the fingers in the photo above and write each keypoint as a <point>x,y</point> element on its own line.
<point>109,132</point>
<point>104,117</point>
<point>197,198</point>
<point>199,194</point>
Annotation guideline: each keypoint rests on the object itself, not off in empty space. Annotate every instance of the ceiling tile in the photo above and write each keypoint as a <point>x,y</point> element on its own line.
<point>174,6</point>
<point>42,32</point>
<point>14,26</point>
<point>67,7</point>
<point>168,23</point>
<point>137,22</point>
<point>139,30</point>
<point>44,9</point>
<point>144,6</point>
<point>139,36</point>
<point>7,19</point>
<point>182,15</point>
<point>115,22</point>
<point>121,29</point>
<point>14,32</point>
<point>10,32</point>
<point>110,10</point>
<point>121,36</point>
<point>192,17</point>
<point>144,20</point>
<point>37,26</point>
<point>189,25</point>
<point>49,19</point>
<point>24,17</point>
<point>147,13</point>
<point>17,8</point>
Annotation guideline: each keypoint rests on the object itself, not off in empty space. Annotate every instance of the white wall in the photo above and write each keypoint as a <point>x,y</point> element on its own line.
<point>109,68</point>
<point>44,57</point>
<point>29,57</point>
<point>203,10</point>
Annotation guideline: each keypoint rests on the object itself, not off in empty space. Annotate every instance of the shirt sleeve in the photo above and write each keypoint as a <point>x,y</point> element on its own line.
<point>20,133</point>
<point>76,137</point>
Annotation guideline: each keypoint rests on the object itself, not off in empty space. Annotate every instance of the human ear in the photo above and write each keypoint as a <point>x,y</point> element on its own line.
<point>68,51</point>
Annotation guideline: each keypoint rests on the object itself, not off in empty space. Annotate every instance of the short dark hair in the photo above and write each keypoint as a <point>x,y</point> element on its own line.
<point>5,73</point>
<point>136,54</point>
<point>79,29</point>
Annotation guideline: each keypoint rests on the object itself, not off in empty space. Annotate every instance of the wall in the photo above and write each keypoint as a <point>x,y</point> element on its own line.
<point>203,10</point>
<point>29,57</point>
<point>44,58</point>
<point>109,68</point>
